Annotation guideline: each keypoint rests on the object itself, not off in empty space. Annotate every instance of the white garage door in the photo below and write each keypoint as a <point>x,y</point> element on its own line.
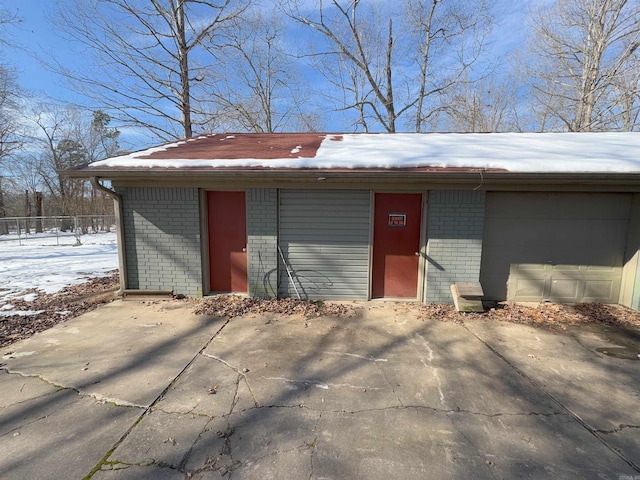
<point>564,247</point>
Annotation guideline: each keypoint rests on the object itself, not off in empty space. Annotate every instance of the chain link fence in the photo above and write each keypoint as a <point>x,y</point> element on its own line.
<point>59,230</point>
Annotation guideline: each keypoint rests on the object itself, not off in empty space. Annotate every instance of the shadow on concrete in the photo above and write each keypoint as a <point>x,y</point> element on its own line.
<point>56,445</point>
<point>384,394</point>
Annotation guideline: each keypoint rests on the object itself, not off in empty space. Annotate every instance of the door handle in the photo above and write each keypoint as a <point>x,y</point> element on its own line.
<point>244,249</point>
<point>417,254</point>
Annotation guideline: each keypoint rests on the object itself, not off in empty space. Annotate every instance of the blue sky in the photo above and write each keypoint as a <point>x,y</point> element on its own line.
<point>39,40</point>
<point>36,38</point>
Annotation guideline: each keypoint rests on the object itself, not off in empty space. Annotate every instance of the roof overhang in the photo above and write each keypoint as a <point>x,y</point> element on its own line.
<point>480,179</point>
<point>477,160</point>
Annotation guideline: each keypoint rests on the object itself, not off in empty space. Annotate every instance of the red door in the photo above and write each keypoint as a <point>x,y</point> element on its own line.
<point>396,241</point>
<point>227,241</point>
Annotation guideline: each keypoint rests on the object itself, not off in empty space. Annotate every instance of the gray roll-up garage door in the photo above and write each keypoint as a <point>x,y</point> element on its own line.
<point>564,247</point>
<point>324,237</point>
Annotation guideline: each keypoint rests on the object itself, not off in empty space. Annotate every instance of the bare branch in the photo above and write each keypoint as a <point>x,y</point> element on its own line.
<point>358,43</point>
<point>581,51</point>
<point>147,57</point>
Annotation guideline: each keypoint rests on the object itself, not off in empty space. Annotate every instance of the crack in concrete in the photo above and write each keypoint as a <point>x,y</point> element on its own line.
<point>183,463</point>
<point>428,363</point>
<point>406,407</point>
<point>222,470</point>
<point>213,463</point>
<point>227,449</point>
<point>178,412</point>
<point>235,399</point>
<point>39,377</point>
<point>371,410</point>
<point>471,443</point>
<point>111,400</point>
<point>313,448</point>
<point>120,465</point>
<point>24,425</point>
<point>391,386</point>
<point>151,407</point>
<point>241,375</point>
<point>571,413</point>
<point>59,388</point>
<point>96,396</point>
<point>617,430</point>
<point>236,464</point>
<point>322,385</point>
<point>447,412</point>
<point>190,412</point>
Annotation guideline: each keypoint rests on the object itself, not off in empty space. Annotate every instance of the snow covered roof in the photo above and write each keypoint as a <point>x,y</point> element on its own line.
<point>559,153</point>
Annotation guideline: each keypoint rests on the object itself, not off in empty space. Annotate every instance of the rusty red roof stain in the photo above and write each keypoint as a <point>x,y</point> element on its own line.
<point>246,145</point>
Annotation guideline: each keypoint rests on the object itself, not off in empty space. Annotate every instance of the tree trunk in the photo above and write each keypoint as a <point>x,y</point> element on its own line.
<point>39,211</point>
<point>4,229</point>
<point>183,56</point>
<point>424,66</point>
<point>27,211</point>
<point>389,104</point>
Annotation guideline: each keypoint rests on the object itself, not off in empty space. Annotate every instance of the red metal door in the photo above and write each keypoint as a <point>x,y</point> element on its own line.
<point>227,241</point>
<point>396,240</point>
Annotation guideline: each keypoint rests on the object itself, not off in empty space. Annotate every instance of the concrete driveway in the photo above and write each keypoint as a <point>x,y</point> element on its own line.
<point>150,391</point>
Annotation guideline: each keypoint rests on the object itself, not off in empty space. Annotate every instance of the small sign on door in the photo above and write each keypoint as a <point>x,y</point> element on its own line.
<point>397,219</point>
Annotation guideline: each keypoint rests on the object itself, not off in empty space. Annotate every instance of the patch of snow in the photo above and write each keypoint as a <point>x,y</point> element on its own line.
<point>515,152</point>
<point>30,297</point>
<point>50,268</point>
<point>296,150</point>
<point>51,239</point>
<point>20,313</point>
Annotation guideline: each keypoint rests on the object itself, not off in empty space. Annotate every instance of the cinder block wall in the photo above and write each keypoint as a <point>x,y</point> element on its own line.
<point>262,241</point>
<point>455,221</point>
<point>162,239</point>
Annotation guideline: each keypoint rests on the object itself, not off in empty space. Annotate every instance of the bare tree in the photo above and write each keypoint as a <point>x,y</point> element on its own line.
<point>8,18</point>
<point>9,125</point>
<point>67,139</point>
<point>488,105</point>
<point>626,93</point>
<point>9,93</point>
<point>10,138</point>
<point>450,38</point>
<point>258,87</point>
<point>397,59</point>
<point>580,54</point>
<point>148,55</point>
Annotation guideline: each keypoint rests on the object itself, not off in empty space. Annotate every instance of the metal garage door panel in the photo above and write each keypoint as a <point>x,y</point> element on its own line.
<point>523,281</point>
<point>324,237</point>
<point>565,247</point>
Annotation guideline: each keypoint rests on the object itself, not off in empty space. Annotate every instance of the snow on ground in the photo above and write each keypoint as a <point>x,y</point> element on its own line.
<point>43,265</point>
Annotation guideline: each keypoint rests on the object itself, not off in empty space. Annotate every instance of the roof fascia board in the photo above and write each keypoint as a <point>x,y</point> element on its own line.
<point>423,184</point>
<point>348,176</point>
